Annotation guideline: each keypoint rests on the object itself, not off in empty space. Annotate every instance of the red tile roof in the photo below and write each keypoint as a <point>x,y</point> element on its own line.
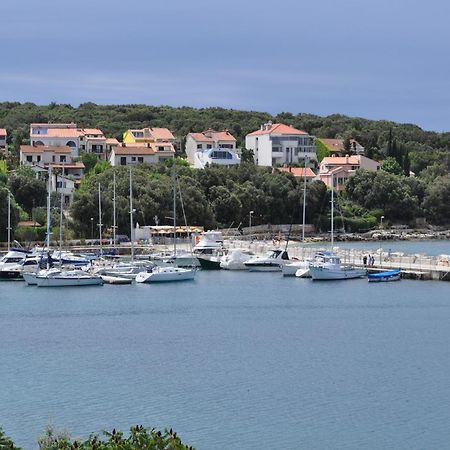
<point>213,136</point>
<point>278,128</point>
<point>341,160</point>
<point>133,150</point>
<point>298,171</point>
<point>2,132</point>
<point>163,134</point>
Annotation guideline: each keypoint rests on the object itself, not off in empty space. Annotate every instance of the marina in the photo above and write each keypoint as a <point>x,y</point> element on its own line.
<point>233,359</point>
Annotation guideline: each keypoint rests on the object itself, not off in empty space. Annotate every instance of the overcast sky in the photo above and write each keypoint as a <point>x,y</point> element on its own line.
<point>383,59</point>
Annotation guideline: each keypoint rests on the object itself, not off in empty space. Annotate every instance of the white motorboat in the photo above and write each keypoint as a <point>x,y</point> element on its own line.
<point>69,258</point>
<point>291,269</point>
<point>235,259</point>
<point>169,273</point>
<point>124,269</point>
<point>68,278</point>
<point>328,266</point>
<point>11,264</point>
<point>272,261</point>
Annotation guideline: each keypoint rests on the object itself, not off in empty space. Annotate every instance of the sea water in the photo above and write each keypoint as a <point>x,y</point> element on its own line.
<point>232,360</point>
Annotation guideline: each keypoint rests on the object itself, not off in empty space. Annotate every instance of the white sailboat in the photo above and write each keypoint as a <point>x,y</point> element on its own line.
<point>327,265</point>
<point>168,273</point>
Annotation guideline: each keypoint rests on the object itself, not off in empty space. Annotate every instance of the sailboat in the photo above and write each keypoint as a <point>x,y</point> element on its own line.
<point>60,278</point>
<point>328,265</point>
<point>168,273</point>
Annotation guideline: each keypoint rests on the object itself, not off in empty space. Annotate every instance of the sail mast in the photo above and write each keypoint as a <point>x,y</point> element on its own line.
<point>304,203</point>
<point>332,212</point>
<point>61,218</point>
<point>9,220</point>
<point>174,210</point>
<point>131,220</point>
<point>100,224</point>
<point>114,209</point>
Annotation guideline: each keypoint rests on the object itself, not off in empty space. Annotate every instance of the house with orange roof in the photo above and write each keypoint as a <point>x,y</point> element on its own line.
<point>78,139</point>
<point>141,152</point>
<point>148,135</point>
<point>66,173</point>
<point>299,172</point>
<point>211,147</point>
<point>336,146</point>
<point>3,136</point>
<point>335,170</point>
<point>276,144</point>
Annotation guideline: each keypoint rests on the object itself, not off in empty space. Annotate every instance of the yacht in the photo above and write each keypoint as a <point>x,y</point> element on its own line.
<point>300,267</point>
<point>168,273</point>
<point>235,259</point>
<point>328,266</point>
<point>67,278</point>
<point>272,261</point>
<point>11,264</point>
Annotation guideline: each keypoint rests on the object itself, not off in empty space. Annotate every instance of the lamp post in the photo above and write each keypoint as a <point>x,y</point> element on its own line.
<point>381,221</point>
<point>92,231</point>
<point>250,219</point>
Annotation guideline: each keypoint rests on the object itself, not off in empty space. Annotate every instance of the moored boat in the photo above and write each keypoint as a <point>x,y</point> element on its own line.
<point>162,274</point>
<point>272,261</point>
<point>386,275</point>
<point>328,266</point>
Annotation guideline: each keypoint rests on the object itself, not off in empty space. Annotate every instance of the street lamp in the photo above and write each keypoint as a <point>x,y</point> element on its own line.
<point>250,219</point>
<point>92,230</point>
<point>381,221</point>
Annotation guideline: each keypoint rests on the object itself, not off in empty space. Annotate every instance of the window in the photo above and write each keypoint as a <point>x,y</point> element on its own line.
<point>123,160</point>
<point>140,159</point>
<point>161,149</point>
<point>29,158</point>
<point>133,158</point>
<point>208,146</point>
<point>199,146</point>
<point>62,158</point>
<point>53,158</point>
<point>39,158</point>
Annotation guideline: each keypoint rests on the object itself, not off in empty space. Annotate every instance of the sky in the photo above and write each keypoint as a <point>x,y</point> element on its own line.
<point>384,59</point>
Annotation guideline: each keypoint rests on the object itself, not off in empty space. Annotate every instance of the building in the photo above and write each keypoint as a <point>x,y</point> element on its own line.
<point>337,169</point>
<point>148,136</point>
<point>150,153</point>
<point>300,172</point>
<point>278,144</point>
<point>66,173</point>
<point>79,140</point>
<point>209,146</point>
<point>336,146</point>
<point>3,145</point>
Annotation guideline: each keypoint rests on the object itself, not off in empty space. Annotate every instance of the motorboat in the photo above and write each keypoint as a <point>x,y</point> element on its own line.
<point>291,269</point>
<point>328,266</point>
<point>235,259</point>
<point>386,275</point>
<point>162,274</point>
<point>69,258</point>
<point>124,269</point>
<point>11,264</point>
<point>272,261</point>
<point>68,278</point>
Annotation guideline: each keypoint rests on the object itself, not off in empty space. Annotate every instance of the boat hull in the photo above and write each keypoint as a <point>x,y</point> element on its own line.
<point>10,275</point>
<point>263,267</point>
<point>324,273</point>
<point>209,264</point>
<point>56,281</point>
<point>166,275</point>
<point>391,275</point>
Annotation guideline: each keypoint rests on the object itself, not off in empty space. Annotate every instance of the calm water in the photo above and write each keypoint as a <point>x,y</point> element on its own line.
<point>232,361</point>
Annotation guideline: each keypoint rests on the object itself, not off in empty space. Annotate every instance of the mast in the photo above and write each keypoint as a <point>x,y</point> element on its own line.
<point>9,220</point>
<point>47,237</point>
<point>174,210</point>
<point>332,212</point>
<point>131,220</point>
<point>100,224</point>
<point>304,203</point>
<point>61,220</point>
<point>114,208</point>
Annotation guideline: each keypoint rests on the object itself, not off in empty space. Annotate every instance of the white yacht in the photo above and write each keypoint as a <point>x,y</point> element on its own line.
<point>68,278</point>
<point>169,273</point>
<point>272,261</point>
<point>235,259</point>
<point>296,267</point>
<point>328,266</point>
<point>11,264</point>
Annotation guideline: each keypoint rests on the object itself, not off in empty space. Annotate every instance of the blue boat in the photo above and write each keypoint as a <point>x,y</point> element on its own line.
<point>387,275</point>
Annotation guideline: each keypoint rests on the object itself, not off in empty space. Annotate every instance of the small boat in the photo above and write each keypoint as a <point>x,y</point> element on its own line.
<point>235,259</point>
<point>328,266</point>
<point>291,269</point>
<point>272,261</point>
<point>162,274</point>
<point>116,280</point>
<point>387,275</point>
<point>69,278</point>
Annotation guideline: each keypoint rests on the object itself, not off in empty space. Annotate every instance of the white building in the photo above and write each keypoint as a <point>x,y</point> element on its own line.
<point>222,144</point>
<point>278,144</point>
<point>150,153</point>
<point>68,134</point>
<point>67,173</point>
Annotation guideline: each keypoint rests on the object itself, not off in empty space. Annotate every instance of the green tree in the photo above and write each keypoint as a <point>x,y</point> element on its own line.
<point>6,443</point>
<point>436,203</point>
<point>390,165</point>
<point>28,192</point>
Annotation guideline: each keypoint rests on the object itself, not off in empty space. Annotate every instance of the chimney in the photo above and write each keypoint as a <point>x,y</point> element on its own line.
<point>262,127</point>
<point>346,159</point>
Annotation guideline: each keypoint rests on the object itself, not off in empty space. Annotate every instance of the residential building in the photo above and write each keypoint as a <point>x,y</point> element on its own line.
<point>3,146</point>
<point>150,153</point>
<point>68,134</point>
<point>212,147</point>
<point>300,173</point>
<point>278,144</point>
<point>148,136</point>
<point>336,146</point>
<point>340,168</point>
<point>67,172</point>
